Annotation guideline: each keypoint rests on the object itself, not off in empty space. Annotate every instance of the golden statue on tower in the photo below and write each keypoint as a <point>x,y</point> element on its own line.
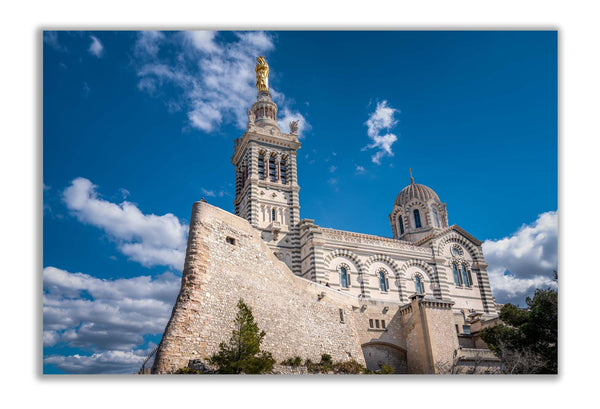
<point>262,74</point>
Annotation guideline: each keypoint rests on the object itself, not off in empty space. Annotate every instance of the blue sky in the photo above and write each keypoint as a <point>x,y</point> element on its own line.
<point>139,125</point>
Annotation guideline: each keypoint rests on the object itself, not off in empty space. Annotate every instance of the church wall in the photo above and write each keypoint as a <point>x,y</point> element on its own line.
<point>366,254</point>
<point>465,298</point>
<point>217,274</point>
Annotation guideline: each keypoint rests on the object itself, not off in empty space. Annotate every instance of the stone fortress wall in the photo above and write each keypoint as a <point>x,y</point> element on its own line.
<point>227,260</point>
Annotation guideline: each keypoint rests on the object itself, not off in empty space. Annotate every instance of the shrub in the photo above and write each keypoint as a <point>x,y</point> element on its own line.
<point>386,369</point>
<point>297,361</point>
<point>349,367</point>
<point>187,371</point>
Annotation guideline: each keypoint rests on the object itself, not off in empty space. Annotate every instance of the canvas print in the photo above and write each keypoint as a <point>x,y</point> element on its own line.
<point>300,202</point>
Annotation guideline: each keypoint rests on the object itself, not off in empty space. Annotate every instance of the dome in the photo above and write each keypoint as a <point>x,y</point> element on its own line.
<point>415,191</point>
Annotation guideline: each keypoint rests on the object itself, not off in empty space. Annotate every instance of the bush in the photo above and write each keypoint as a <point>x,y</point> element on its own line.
<point>326,365</point>
<point>386,369</point>
<point>187,371</point>
<point>348,367</point>
<point>297,361</point>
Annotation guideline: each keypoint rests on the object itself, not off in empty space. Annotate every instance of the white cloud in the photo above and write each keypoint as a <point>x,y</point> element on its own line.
<point>332,168</point>
<point>148,239</point>
<point>524,261</point>
<point>209,193</point>
<point>96,47</point>
<point>108,316</point>
<point>360,169</point>
<point>148,43</point>
<point>286,116</point>
<point>203,40</point>
<point>108,362</point>
<point>85,89</point>
<point>215,77</point>
<point>381,119</point>
<point>215,193</point>
<point>51,39</point>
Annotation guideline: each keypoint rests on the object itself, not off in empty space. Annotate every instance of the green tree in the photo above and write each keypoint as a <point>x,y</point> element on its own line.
<point>527,340</point>
<point>242,353</point>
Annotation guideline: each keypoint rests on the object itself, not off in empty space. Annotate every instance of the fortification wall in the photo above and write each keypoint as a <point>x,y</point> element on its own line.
<point>226,261</point>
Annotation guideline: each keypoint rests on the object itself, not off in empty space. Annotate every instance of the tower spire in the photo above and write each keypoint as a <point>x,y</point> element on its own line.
<point>264,111</point>
<point>412,180</point>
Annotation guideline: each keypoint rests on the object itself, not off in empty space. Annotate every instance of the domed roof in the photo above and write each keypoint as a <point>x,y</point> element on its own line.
<point>415,191</point>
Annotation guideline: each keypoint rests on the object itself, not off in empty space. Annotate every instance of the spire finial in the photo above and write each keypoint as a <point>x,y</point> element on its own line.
<point>412,180</point>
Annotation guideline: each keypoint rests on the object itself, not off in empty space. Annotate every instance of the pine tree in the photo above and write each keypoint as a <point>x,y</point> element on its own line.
<point>242,353</point>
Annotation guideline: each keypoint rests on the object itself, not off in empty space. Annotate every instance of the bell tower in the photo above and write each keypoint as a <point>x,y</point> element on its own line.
<point>266,180</point>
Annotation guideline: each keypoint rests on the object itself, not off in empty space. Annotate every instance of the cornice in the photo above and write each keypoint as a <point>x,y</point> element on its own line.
<point>368,239</point>
<point>253,134</point>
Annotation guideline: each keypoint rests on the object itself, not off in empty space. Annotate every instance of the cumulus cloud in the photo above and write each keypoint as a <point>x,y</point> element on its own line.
<point>285,116</point>
<point>148,43</point>
<point>215,76</point>
<point>382,119</point>
<point>203,40</point>
<point>96,47</point>
<point>524,261</point>
<point>110,317</point>
<point>108,362</point>
<point>147,239</point>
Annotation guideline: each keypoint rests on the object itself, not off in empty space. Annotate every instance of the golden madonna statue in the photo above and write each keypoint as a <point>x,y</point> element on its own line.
<point>262,74</point>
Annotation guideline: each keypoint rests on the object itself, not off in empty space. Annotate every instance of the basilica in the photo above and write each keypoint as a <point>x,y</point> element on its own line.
<point>415,300</point>
<point>433,257</point>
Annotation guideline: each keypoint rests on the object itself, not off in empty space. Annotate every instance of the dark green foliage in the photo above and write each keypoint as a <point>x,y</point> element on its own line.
<point>297,361</point>
<point>242,353</point>
<point>187,371</point>
<point>326,359</point>
<point>326,365</point>
<point>527,341</point>
<point>348,367</point>
<point>386,369</point>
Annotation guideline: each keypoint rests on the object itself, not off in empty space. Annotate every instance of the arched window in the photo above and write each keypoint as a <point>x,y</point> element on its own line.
<point>261,166</point>
<point>466,276</point>
<point>401,224</point>
<point>417,218</point>
<point>283,170</point>
<point>456,275</point>
<point>272,169</point>
<point>383,281</point>
<point>344,277</point>
<point>435,218</point>
<point>418,285</point>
